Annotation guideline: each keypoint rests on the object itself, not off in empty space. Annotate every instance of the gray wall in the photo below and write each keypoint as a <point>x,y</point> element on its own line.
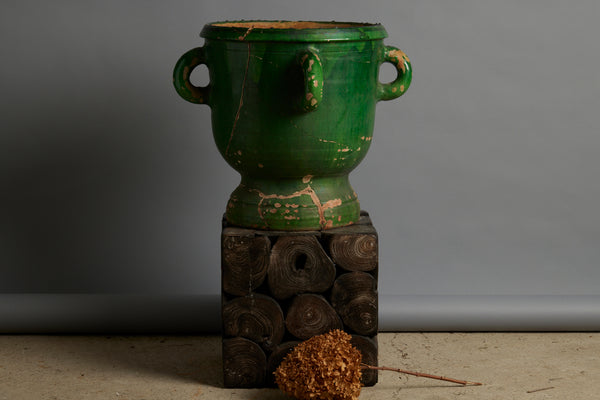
<point>111,184</point>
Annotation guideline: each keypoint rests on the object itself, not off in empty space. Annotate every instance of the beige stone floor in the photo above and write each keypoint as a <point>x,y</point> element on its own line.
<point>511,366</point>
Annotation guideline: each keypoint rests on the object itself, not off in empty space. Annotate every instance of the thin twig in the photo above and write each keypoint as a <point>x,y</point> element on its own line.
<point>421,374</point>
<point>539,390</point>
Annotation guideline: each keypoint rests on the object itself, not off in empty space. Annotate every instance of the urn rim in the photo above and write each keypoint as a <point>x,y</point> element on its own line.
<point>292,31</point>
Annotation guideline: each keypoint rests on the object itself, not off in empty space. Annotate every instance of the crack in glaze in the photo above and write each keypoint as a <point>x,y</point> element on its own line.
<point>237,114</point>
<point>345,147</point>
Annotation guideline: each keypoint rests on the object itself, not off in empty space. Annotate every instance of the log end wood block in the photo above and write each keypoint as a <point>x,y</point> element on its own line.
<point>279,288</point>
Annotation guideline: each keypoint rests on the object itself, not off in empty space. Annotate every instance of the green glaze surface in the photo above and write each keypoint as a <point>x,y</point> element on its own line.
<point>293,112</point>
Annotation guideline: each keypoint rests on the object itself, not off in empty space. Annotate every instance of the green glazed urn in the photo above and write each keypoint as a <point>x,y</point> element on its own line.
<point>293,107</point>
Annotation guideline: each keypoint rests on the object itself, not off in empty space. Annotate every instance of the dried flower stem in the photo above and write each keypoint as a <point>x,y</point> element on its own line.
<point>539,390</point>
<point>421,374</point>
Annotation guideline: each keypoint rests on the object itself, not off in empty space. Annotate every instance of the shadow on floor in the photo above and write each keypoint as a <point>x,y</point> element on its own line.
<point>189,358</point>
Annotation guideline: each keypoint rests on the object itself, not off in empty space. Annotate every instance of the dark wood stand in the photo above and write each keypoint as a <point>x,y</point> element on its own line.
<point>279,288</point>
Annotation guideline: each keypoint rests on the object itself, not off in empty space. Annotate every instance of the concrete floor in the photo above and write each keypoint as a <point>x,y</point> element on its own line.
<point>511,366</point>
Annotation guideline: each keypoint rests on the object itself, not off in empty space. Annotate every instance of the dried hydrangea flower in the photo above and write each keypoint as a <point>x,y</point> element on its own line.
<point>324,367</point>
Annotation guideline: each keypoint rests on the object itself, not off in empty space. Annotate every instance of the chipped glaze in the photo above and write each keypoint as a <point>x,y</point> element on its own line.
<point>293,107</point>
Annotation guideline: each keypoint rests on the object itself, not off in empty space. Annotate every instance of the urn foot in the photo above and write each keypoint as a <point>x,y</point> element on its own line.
<point>306,203</point>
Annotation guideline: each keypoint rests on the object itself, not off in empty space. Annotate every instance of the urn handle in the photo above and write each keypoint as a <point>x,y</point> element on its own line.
<point>395,89</point>
<point>312,69</point>
<point>181,77</point>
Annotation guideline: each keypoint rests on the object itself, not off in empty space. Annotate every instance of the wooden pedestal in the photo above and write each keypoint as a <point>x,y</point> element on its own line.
<point>279,288</point>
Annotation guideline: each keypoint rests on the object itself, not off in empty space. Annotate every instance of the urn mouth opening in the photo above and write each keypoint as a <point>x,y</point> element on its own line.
<point>289,24</point>
<point>293,31</point>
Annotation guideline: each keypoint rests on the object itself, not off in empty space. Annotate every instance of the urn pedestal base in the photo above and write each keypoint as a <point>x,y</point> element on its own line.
<point>282,287</point>
<point>294,204</point>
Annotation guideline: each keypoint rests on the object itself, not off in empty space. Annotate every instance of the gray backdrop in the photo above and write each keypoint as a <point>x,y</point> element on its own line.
<point>112,189</point>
